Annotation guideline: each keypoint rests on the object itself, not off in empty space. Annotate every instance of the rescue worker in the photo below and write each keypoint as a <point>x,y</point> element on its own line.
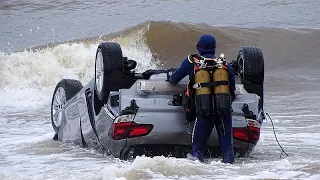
<point>204,124</point>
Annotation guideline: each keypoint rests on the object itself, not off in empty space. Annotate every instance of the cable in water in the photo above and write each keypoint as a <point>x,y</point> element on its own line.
<point>274,132</point>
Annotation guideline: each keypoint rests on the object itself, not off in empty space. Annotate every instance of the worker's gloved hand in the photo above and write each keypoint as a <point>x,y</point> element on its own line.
<point>171,69</point>
<point>169,72</point>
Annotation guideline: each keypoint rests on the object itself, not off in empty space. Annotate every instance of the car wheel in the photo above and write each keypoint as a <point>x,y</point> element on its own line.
<point>64,91</point>
<point>250,62</point>
<point>108,58</point>
<point>251,65</point>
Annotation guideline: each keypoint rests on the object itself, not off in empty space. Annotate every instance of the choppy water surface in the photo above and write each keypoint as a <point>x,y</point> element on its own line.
<point>74,29</point>
<point>35,22</point>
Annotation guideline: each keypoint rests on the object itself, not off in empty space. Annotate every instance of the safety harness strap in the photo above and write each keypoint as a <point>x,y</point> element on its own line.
<point>195,58</point>
<point>210,84</point>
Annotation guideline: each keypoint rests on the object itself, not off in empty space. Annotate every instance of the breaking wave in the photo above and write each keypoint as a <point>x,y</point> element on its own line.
<point>28,77</point>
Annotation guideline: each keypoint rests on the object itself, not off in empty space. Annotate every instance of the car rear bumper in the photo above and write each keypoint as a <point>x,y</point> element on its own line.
<point>178,151</point>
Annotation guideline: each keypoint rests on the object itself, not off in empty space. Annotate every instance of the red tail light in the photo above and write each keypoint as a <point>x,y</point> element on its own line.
<point>255,134</point>
<point>250,134</point>
<point>123,130</point>
<point>241,134</point>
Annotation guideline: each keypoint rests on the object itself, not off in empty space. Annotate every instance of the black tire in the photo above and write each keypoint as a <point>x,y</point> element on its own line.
<point>251,65</point>
<point>112,61</point>
<point>251,69</point>
<point>71,87</point>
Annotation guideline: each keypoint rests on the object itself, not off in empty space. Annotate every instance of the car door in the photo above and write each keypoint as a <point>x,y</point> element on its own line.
<point>87,122</point>
<point>70,131</point>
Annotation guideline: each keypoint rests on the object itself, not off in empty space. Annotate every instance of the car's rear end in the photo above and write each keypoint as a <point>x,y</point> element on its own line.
<point>153,126</point>
<point>247,120</point>
<point>149,121</point>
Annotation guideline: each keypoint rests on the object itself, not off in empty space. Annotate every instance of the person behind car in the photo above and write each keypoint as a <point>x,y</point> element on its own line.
<point>205,123</point>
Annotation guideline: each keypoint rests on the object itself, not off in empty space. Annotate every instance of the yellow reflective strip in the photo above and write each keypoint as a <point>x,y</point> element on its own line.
<point>194,127</point>
<point>190,61</point>
<point>224,130</point>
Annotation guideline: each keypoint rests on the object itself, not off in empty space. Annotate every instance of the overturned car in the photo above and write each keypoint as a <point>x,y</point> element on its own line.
<point>126,114</point>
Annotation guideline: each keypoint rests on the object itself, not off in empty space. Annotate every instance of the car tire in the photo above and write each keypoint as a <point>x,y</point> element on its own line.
<point>250,62</point>
<point>64,91</point>
<point>108,58</point>
<point>251,65</point>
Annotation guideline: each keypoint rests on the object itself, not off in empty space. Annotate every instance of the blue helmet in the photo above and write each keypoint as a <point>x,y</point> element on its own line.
<point>206,44</point>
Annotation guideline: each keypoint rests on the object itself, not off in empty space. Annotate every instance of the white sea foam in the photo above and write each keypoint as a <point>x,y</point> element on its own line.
<point>28,78</point>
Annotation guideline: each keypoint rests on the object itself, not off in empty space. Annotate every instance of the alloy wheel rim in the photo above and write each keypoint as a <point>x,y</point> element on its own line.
<point>241,65</point>
<point>99,71</point>
<point>59,102</point>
